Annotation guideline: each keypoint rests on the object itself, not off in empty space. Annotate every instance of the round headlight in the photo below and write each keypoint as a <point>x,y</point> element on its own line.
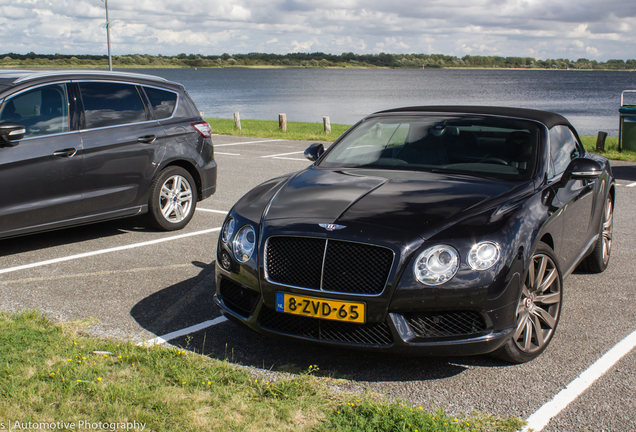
<point>228,230</point>
<point>436,265</point>
<point>244,243</point>
<point>483,255</point>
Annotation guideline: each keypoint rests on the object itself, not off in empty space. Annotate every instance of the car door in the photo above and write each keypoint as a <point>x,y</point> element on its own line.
<point>122,146</point>
<point>41,174</point>
<point>575,197</point>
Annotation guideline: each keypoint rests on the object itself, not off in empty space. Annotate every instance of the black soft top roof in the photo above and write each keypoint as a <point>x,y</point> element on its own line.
<point>547,118</point>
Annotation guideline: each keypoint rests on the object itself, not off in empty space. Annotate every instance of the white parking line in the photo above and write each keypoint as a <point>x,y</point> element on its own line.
<point>286,158</point>
<point>282,154</point>
<point>247,142</point>
<point>227,154</point>
<point>105,251</point>
<point>212,211</point>
<point>94,274</point>
<point>631,184</point>
<point>542,417</point>
<point>175,334</point>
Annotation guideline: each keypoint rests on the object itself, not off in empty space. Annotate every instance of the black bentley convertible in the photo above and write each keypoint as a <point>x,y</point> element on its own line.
<point>436,230</point>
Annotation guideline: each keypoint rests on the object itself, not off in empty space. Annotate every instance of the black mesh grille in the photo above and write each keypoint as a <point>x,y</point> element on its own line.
<point>445,324</point>
<point>356,268</point>
<point>348,267</point>
<point>295,261</point>
<point>238,298</point>
<point>319,329</point>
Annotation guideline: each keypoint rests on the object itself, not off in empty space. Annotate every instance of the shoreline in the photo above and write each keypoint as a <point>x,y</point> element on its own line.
<point>101,67</point>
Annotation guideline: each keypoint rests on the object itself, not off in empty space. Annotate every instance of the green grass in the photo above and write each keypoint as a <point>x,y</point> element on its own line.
<point>314,132</point>
<point>50,373</point>
<point>269,129</point>
<point>611,149</point>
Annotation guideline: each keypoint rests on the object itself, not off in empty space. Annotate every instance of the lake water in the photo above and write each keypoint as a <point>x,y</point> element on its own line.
<point>589,99</point>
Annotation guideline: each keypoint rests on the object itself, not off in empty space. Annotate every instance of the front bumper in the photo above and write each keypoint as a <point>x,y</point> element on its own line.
<point>439,333</point>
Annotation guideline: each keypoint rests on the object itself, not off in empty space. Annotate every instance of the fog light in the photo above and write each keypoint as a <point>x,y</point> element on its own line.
<point>226,263</point>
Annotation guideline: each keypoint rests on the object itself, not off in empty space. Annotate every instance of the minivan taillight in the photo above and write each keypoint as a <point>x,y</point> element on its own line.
<point>204,129</point>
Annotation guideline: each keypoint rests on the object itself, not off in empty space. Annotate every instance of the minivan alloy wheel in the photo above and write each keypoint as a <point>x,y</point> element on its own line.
<point>173,199</point>
<point>176,199</point>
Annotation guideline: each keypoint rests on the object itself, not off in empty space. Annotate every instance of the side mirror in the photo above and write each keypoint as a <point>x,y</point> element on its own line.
<point>11,132</point>
<point>582,169</point>
<point>314,151</point>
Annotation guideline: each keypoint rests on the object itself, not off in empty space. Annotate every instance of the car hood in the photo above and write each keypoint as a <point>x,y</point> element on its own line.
<point>419,202</point>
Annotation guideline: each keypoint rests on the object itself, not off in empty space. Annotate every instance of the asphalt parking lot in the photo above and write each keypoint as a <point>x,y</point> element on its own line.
<point>140,283</point>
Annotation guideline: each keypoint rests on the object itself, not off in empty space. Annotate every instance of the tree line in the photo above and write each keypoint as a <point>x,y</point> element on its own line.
<point>309,60</point>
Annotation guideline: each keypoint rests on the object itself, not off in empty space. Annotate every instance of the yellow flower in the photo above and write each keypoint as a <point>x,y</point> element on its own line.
<point>209,383</point>
<point>99,378</point>
<point>52,373</point>
<point>421,407</point>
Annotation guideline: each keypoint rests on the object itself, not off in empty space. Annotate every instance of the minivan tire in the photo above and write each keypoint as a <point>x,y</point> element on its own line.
<point>173,199</point>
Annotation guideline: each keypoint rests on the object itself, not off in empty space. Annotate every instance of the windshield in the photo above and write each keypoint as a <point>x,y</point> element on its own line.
<point>468,144</point>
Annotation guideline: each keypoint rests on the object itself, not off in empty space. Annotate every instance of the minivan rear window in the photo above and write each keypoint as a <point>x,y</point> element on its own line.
<point>111,104</point>
<point>162,102</point>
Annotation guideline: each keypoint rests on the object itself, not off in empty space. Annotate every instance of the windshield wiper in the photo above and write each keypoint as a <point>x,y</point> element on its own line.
<point>465,173</point>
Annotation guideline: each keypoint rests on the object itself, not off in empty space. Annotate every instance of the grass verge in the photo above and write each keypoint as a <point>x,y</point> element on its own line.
<point>50,373</point>
<point>269,129</point>
<point>315,132</point>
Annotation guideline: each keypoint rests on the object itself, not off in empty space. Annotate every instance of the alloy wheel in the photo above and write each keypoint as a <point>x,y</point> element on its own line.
<point>608,229</point>
<point>176,199</point>
<point>539,306</point>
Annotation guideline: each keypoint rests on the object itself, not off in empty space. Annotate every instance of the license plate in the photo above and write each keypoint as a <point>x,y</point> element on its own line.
<point>336,310</point>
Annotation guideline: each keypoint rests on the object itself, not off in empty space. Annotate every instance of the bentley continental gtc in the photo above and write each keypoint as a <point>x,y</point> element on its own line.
<point>432,230</point>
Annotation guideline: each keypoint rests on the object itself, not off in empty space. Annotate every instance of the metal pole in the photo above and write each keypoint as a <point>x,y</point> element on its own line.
<point>110,59</point>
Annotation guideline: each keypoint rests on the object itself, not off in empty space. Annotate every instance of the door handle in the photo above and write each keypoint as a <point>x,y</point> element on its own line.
<point>147,139</point>
<point>69,152</point>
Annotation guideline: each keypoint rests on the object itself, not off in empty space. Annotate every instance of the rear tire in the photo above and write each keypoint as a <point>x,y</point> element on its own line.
<point>173,199</point>
<point>598,260</point>
<point>538,309</point>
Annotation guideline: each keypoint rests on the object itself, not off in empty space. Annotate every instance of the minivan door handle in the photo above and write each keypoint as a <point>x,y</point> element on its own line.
<point>148,139</point>
<point>69,152</point>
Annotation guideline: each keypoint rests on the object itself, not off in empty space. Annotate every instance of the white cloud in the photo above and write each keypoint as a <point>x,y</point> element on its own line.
<point>541,28</point>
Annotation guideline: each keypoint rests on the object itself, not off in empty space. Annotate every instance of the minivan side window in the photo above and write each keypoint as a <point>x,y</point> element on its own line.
<point>564,148</point>
<point>42,111</point>
<point>162,102</point>
<point>111,104</point>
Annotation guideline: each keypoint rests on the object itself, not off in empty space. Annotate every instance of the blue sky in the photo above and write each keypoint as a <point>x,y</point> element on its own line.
<point>593,29</point>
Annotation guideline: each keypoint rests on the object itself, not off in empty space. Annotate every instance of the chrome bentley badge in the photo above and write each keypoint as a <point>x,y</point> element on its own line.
<point>331,227</point>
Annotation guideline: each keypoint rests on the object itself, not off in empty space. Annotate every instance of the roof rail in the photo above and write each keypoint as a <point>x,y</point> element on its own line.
<point>85,72</point>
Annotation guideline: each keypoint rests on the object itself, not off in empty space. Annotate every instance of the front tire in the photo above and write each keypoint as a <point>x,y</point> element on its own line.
<point>173,199</point>
<point>538,309</point>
